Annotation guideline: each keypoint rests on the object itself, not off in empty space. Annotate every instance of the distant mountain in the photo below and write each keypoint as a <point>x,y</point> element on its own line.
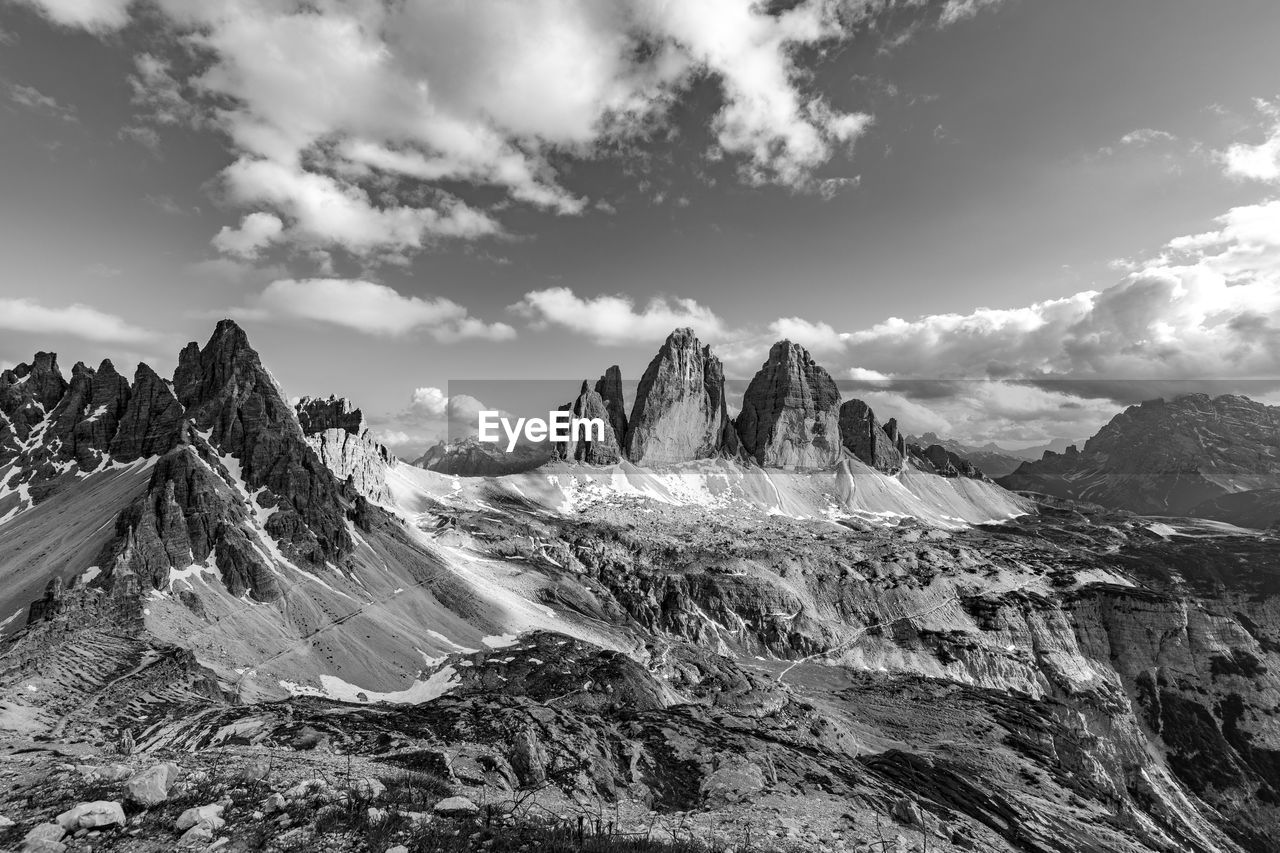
<point>470,457</point>
<point>1166,457</point>
<point>990,458</point>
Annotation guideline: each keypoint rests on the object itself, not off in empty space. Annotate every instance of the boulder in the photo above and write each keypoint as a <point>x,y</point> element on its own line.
<point>369,788</point>
<point>210,814</point>
<point>679,412</point>
<point>150,787</point>
<point>45,838</point>
<point>455,807</point>
<point>863,435</point>
<point>91,816</point>
<point>791,412</point>
<point>735,780</point>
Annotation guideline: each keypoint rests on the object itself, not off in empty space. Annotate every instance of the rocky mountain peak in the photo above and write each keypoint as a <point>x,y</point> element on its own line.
<point>867,439</point>
<point>609,387</point>
<point>589,404</point>
<point>791,412</point>
<point>1166,456</point>
<point>679,412</point>
<point>319,414</point>
<point>231,397</point>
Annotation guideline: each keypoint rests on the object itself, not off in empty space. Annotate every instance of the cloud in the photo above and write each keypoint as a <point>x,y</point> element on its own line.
<point>33,99</point>
<point>373,309</point>
<point>354,123</point>
<point>1207,306</point>
<point>78,320</point>
<point>430,416</point>
<point>94,15</point>
<point>1147,136</point>
<point>614,320</point>
<point>954,11</point>
<point>1260,162</point>
<point>255,232</point>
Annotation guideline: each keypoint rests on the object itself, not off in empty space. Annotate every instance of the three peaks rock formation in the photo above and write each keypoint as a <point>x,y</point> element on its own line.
<point>792,417</point>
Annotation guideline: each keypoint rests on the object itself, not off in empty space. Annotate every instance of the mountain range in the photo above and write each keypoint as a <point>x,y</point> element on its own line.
<point>793,628</point>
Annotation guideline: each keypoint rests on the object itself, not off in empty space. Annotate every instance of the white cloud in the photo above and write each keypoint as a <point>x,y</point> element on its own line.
<point>349,120</point>
<point>370,308</point>
<point>1207,306</point>
<point>255,232</point>
<point>78,320</point>
<point>95,15</point>
<point>430,416</point>
<point>955,11</point>
<point>1147,136</point>
<point>1260,162</point>
<point>33,99</point>
<point>614,320</point>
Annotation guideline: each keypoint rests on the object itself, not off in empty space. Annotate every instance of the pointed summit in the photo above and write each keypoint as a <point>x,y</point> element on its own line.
<point>791,412</point>
<point>679,412</point>
<point>231,397</point>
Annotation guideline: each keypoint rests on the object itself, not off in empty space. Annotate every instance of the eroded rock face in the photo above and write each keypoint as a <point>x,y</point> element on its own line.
<point>152,420</point>
<point>356,459</point>
<point>589,405</point>
<point>679,413</point>
<point>791,412</point>
<point>317,415</point>
<point>866,438</point>
<point>228,393</point>
<point>1166,456</point>
<point>609,387</point>
<point>936,459</point>
<point>28,392</point>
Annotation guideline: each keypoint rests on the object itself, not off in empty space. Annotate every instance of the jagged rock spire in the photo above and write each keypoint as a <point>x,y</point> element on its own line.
<point>790,412</point>
<point>679,412</point>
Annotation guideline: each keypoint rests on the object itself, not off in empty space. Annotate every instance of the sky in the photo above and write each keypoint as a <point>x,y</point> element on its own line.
<point>1078,199</point>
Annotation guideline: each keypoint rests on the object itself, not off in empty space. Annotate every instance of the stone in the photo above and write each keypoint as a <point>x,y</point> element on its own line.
<point>866,438</point>
<point>150,787</point>
<point>399,848</point>
<point>735,780</point>
<point>369,788</point>
<point>256,769</point>
<point>91,816</point>
<point>679,413</point>
<point>210,814</point>
<point>528,759</point>
<point>455,807</point>
<point>44,838</point>
<point>791,412</point>
<point>197,836</point>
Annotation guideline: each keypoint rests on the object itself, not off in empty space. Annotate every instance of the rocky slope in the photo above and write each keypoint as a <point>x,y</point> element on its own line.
<point>1165,457</point>
<point>841,658</point>
<point>338,436</point>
